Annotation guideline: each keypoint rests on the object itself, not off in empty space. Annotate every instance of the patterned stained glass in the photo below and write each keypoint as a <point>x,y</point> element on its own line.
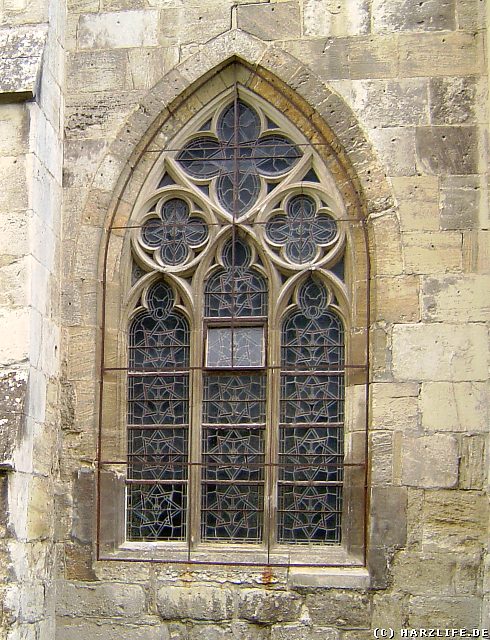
<point>175,232</point>
<point>233,456</point>
<point>301,229</point>
<point>240,157</point>
<point>311,419</point>
<point>157,511</point>
<point>237,290</point>
<point>158,418</point>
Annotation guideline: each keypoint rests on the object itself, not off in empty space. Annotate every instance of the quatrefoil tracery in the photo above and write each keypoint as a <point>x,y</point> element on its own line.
<point>239,156</point>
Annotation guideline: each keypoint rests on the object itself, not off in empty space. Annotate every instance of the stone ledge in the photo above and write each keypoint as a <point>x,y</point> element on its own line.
<point>332,578</point>
<point>21,50</point>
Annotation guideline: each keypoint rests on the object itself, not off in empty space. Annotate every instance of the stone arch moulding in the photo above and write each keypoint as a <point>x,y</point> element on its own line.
<point>299,95</point>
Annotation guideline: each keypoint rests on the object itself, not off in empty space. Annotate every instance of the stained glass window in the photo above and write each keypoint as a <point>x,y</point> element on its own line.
<point>236,373</point>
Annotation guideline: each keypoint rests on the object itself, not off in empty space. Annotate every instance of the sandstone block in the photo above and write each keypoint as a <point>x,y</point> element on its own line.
<point>271,21</point>
<point>373,57</point>
<point>418,202</point>
<point>258,605</point>
<point>447,150</point>
<point>387,258</point>
<point>330,18</point>
<point>78,628</point>
<point>453,521</point>
<point>396,299</point>
<point>452,100</point>
<point>454,406</point>
<point>89,71</point>
<point>381,457</point>
<point>473,463</point>
<point>389,516</point>
<point>446,612</point>
<point>396,145</point>
<point>148,65</point>
<point>411,15</point>
<point>117,29</point>
<point>440,353</point>
<point>394,406</point>
<point>197,603</point>
<point>456,298</point>
<point>399,103</point>
<point>328,58</point>
<point>339,608</point>
<point>424,574</point>
<point>448,54</point>
<point>430,461</point>
<point>303,632</point>
<point>431,252</point>
<point>13,129</point>
<point>21,50</point>
<point>388,611</point>
<point>460,200</point>
<point>101,600</point>
<point>194,22</point>
<point>238,630</point>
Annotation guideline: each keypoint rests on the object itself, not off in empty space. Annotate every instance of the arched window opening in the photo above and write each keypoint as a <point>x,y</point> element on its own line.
<point>236,352</point>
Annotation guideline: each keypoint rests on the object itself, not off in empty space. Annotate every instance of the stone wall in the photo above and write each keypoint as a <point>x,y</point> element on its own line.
<point>31,123</point>
<point>403,86</point>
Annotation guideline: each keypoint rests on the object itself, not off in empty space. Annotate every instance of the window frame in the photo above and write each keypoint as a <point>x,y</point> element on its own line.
<point>114,543</point>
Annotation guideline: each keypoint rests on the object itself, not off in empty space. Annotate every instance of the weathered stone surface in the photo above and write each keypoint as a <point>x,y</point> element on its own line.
<point>440,352</point>
<point>113,30</point>
<point>303,632</point>
<point>430,461</point>
<point>372,57</point>
<point>394,406</point>
<point>238,630</point>
<point>388,516</point>
<point>381,457</point>
<point>431,252</point>
<point>101,600</point>
<point>473,462</point>
<point>332,18</point>
<point>339,608</point>
<point>13,388</point>
<point>397,147</point>
<point>453,521</point>
<point>447,54</point>
<point>259,605</point>
<point>452,100</point>
<point>21,50</point>
<point>418,202</point>
<point>270,21</point>
<point>424,574</point>
<point>460,199</point>
<point>76,629</point>
<point>456,298</point>
<point>454,406</point>
<point>412,15</point>
<point>401,103</point>
<point>443,613</point>
<point>196,603</point>
<point>447,150</point>
<point>90,71</point>
<point>396,299</point>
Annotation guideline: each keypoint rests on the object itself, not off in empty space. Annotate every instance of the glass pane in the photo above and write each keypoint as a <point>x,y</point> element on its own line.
<point>234,399</point>
<point>309,514</point>
<point>157,511</point>
<point>232,513</point>
<point>311,435</point>
<point>235,347</point>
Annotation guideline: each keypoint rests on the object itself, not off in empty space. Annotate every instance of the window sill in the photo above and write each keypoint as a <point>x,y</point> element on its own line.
<point>329,578</point>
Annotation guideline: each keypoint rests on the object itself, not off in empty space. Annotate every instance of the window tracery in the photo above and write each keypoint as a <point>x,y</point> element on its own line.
<point>236,361</point>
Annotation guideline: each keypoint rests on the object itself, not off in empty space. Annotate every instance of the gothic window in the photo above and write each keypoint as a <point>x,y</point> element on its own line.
<point>236,355</point>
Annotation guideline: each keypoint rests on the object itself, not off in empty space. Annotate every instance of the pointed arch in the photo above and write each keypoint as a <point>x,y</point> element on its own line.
<point>137,189</point>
